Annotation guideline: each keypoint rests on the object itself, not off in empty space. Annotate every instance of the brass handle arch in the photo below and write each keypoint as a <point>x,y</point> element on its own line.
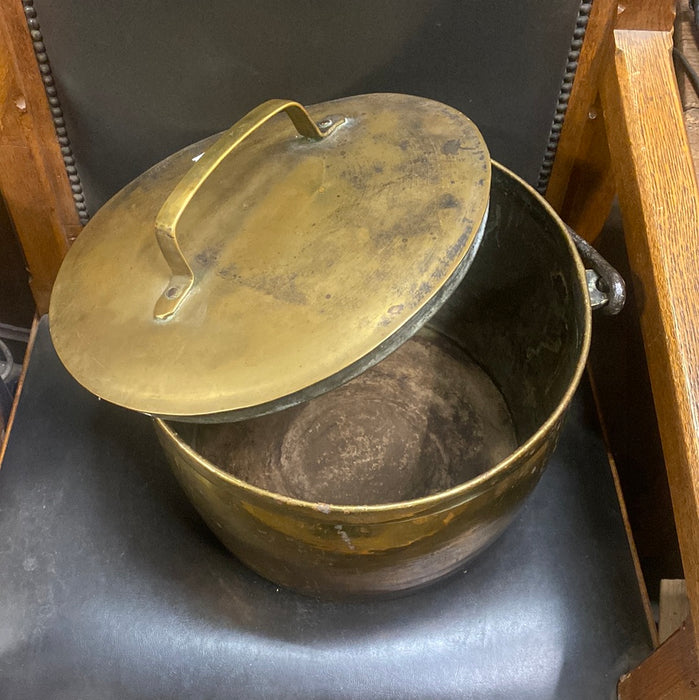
<point>182,278</point>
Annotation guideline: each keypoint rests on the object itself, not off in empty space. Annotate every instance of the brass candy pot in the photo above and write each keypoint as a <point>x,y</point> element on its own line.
<point>360,339</point>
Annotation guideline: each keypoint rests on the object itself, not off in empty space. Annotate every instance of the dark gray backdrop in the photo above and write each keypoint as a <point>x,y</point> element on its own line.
<point>140,79</point>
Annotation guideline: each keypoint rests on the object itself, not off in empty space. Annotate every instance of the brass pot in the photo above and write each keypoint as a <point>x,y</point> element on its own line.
<point>522,315</point>
<point>358,337</point>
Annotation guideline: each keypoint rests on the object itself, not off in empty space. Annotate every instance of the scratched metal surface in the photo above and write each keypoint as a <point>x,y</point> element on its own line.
<point>112,587</point>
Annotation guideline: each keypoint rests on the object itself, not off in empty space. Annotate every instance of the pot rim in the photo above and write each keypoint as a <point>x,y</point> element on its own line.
<point>470,488</point>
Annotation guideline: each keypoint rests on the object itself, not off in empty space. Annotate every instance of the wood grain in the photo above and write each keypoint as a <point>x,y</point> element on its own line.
<point>658,194</point>
<point>581,187</point>
<point>591,187</point>
<point>649,15</point>
<point>670,673</point>
<point>583,95</point>
<point>33,181</point>
<point>673,607</point>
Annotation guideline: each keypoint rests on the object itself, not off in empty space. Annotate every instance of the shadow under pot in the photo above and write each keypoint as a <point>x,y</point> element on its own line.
<point>396,478</point>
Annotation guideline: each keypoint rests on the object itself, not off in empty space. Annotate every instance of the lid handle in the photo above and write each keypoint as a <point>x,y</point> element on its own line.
<point>182,279</point>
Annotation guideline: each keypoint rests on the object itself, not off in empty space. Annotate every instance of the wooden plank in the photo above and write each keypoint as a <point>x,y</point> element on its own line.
<point>658,194</point>
<point>33,180</point>
<point>673,608</point>
<point>649,15</point>
<point>581,188</point>
<point>670,673</point>
<point>643,589</point>
<point>591,188</point>
<point>582,97</point>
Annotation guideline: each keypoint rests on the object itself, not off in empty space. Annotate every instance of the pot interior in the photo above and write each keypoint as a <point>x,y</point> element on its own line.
<point>424,419</point>
<point>489,369</point>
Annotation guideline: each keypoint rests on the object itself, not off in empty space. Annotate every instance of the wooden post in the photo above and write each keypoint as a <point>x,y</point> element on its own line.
<point>639,150</point>
<point>33,179</point>
<point>671,672</point>
<point>654,175</point>
<point>581,187</point>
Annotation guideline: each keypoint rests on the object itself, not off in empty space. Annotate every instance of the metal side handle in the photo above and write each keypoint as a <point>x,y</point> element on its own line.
<point>605,285</point>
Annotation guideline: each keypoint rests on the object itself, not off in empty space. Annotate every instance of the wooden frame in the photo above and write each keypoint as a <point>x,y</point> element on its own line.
<point>624,134</point>
<point>33,179</point>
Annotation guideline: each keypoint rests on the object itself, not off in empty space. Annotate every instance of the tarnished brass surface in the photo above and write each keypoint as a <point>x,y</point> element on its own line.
<point>523,315</point>
<point>310,258</point>
<point>171,212</point>
<point>322,550</point>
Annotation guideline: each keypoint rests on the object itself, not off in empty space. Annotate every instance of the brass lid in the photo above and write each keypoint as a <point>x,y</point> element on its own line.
<point>256,269</point>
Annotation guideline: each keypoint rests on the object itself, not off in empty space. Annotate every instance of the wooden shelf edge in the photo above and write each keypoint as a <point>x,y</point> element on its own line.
<point>643,589</point>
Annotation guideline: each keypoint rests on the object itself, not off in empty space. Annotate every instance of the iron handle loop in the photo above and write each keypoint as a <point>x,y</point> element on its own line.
<point>605,285</point>
<point>182,278</point>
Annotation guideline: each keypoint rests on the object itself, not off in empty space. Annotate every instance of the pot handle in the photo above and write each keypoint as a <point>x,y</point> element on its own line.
<point>605,285</point>
<point>182,279</point>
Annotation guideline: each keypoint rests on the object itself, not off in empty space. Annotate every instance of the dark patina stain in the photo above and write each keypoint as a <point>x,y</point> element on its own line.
<point>355,179</point>
<point>448,201</point>
<point>209,256</point>
<point>451,147</point>
<point>280,287</point>
<point>230,272</point>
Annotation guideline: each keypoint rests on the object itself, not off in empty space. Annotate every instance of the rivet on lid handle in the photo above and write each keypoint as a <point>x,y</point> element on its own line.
<point>166,221</point>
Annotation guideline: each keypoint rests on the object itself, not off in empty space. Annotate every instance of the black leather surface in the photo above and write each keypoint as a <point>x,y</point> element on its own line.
<point>140,79</point>
<point>111,586</point>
